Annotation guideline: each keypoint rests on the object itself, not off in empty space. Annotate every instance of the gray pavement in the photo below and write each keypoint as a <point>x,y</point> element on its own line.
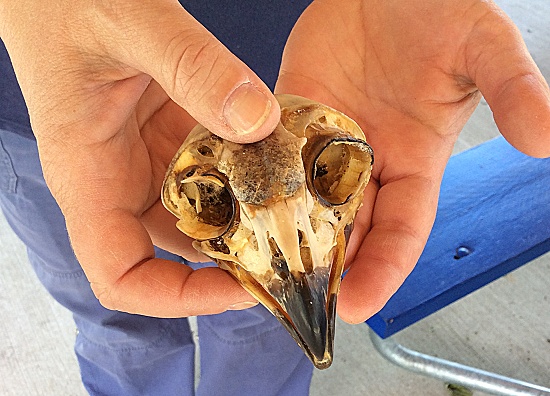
<point>504,327</point>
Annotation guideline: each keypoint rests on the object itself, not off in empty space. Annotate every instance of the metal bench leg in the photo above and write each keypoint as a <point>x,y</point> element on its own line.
<point>453,373</point>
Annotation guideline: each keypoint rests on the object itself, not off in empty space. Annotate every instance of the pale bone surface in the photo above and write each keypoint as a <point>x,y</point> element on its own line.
<point>504,327</point>
<point>277,213</point>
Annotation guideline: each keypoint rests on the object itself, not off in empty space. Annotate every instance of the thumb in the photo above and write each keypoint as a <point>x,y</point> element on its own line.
<point>163,40</point>
<point>512,84</point>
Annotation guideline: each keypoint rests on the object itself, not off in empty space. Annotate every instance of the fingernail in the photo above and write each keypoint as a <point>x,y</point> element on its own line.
<point>246,109</point>
<point>242,305</point>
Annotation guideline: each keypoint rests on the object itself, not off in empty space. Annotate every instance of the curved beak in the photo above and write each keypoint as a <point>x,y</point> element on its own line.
<point>302,273</point>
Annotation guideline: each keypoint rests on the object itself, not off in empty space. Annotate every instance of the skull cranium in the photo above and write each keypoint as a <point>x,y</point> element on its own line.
<point>277,214</point>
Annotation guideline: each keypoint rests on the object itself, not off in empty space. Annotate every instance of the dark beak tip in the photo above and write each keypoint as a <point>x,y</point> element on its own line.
<point>318,352</point>
<point>323,364</point>
<point>308,312</point>
<point>322,360</point>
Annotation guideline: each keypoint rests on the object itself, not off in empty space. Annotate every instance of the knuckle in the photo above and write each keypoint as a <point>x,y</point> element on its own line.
<point>104,295</point>
<point>193,63</point>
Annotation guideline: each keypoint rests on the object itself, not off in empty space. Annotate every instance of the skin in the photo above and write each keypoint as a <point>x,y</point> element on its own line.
<point>106,94</point>
<point>411,73</point>
<point>111,97</point>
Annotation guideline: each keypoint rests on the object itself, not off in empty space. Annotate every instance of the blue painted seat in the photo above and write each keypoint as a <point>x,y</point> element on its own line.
<point>493,217</point>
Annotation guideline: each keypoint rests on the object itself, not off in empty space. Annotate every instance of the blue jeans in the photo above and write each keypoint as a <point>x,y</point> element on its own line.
<point>242,352</point>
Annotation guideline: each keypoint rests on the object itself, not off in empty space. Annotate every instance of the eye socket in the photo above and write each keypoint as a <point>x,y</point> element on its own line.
<point>206,205</point>
<point>205,151</point>
<point>340,168</point>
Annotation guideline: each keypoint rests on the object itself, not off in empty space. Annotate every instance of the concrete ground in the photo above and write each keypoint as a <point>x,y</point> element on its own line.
<point>504,327</point>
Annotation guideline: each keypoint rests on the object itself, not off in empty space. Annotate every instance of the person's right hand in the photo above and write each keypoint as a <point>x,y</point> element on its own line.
<point>106,83</point>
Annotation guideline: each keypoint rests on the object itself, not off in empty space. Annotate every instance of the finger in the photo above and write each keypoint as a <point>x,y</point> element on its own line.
<point>500,65</point>
<point>362,222</point>
<point>163,133</point>
<point>403,216</point>
<point>161,226</point>
<point>130,279</point>
<point>192,66</point>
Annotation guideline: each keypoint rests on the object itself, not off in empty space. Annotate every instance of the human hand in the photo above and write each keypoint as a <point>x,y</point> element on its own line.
<point>105,83</point>
<point>411,73</point>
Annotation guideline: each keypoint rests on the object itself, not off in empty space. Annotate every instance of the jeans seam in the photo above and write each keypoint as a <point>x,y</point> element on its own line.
<point>163,330</point>
<point>243,342</point>
<point>44,267</point>
<point>11,185</point>
<point>64,275</point>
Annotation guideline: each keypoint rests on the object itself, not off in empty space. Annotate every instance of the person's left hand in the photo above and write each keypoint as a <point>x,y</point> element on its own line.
<point>411,73</point>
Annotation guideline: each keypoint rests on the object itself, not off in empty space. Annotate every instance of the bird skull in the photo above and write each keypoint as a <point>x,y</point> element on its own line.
<point>277,214</point>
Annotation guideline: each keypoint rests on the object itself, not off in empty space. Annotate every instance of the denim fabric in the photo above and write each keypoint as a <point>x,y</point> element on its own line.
<point>254,30</point>
<point>242,352</point>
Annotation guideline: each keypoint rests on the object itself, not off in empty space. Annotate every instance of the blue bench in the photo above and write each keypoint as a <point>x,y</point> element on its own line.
<point>493,217</point>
